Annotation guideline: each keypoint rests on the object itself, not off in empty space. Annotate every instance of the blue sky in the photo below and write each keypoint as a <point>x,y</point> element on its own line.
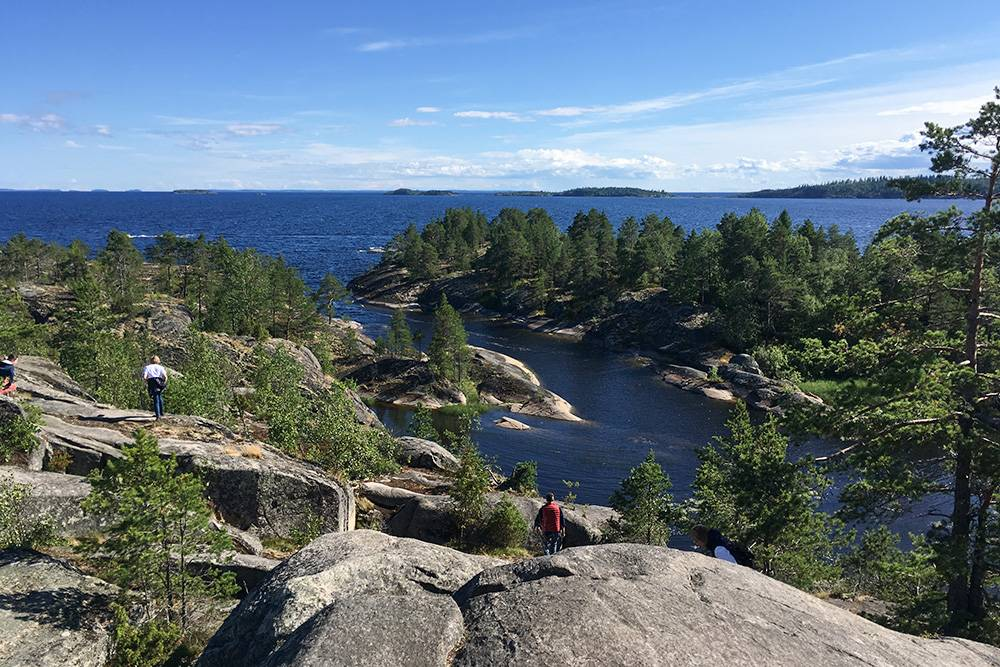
<point>684,96</point>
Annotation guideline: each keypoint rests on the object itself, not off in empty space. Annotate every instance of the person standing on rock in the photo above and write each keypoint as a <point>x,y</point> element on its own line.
<point>549,522</point>
<point>155,376</point>
<point>7,372</point>
<point>721,547</point>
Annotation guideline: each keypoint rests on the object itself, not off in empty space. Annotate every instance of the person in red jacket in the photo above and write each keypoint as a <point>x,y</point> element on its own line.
<point>549,522</point>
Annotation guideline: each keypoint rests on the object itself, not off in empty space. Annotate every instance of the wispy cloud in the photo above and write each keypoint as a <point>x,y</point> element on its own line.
<point>428,109</point>
<point>500,115</point>
<point>946,107</point>
<point>458,40</point>
<point>410,122</point>
<point>72,144</point>
<point>48,122</point>
<point>253,129</point>
<point>103,130</point>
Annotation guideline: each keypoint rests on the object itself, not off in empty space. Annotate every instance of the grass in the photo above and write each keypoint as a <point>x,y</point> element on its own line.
<point>828,389</point>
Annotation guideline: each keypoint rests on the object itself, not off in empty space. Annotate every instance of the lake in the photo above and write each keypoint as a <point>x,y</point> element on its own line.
<point>628,411</point>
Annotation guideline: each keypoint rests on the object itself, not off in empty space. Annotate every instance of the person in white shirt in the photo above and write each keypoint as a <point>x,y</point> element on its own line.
<point>718,546</point>
<point>155,377</point>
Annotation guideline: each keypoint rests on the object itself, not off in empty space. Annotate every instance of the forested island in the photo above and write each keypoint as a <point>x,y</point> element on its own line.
<point>590,192</point>
<point>880,187</point>
<point>409,192</point>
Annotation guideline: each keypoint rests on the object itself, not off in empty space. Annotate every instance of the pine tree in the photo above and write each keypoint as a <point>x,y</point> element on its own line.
<point>120,262</point>
<point>746,487</point>
<point>156,519</point>
<point>330,291</point>
<point>644,505</point>
<point>399,339</point>
<point>449,350</point>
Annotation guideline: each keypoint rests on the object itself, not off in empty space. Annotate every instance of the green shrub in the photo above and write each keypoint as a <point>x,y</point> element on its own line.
<point>16,528</point>
<point>504,527</point>
<point>468,493</point>
<point>204,387</point>
<point>775,363</point>
<point>523,479</point>
<point>17,431</point>
<point>422,425</point>
<point>148,644</point>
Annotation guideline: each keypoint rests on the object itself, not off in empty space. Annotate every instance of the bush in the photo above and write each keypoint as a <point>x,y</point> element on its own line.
<point>16,529</point>
<point>468,493</point>
<point>422,425</point>
<point>148,644</point>
<point>17,431</point>
<point>774,362</point>
<point>504,527</point>
<point>644,505</point>
<point>523,479</point>
<point>204,388</point>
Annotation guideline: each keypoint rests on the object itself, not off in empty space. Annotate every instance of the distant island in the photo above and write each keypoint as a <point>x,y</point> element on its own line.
<point>879,187</point>
<point>591,192</point>
<point>194,192</point>
<point>408,191</point>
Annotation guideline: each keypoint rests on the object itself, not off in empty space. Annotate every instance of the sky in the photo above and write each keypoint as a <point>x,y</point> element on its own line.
<point>681,96</point>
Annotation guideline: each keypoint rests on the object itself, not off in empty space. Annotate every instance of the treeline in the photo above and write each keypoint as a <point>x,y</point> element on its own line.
<point>766,280</point>
<point>878,187</point>
<point>241,292</point>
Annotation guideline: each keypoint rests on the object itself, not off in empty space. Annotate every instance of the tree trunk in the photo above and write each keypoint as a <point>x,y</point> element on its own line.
<point>977,576</point>
<point>960,593</point>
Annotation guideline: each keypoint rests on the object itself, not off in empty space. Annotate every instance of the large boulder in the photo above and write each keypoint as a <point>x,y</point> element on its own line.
<point>644,605</point>
<point>54,497</point>
<point>420,453</point>
<point>51,615</point>
<point>503,380</point>
<point>359,598</point>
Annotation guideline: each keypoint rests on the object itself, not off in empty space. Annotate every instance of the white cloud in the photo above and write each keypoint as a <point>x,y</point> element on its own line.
<point>102,130</point>
<point>410,122</point>
<point>48,122</point>
<point>412,42</point>
<point>428,109</point>
<point>72,144</point>
<point>944,107</point>
<point>253,129</point>
<point>501,115</point>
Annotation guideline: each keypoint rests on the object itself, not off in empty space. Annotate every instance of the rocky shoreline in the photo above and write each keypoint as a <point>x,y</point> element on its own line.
<point>679,342</point>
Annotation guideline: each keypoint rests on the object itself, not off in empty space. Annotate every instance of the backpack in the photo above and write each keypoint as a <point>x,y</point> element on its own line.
<point>742,554</point>
<point>159,384</point>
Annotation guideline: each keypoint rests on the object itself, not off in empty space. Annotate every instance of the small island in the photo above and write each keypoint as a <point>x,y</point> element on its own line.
<point>433,193</point>
<point>590,192</point>
<point>194,191</point>
<point>879,187</point>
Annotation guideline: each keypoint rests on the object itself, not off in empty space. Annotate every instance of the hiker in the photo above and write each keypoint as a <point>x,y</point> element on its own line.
<point>7,372</point>
<point>549,522</point>
<point>155,376</point>
<point>721,547</point>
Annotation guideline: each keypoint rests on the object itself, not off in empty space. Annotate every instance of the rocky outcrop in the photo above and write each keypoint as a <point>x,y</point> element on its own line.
<point>420,453</point>
<point>511,423</point>
<point>359,598</point>
<point>252,486</point>
<point>645,605</point>
<point>53,497</point>
<point>364,598</point>
<point>406,382</point>
<point>51,615</point>
<point>503,380</point>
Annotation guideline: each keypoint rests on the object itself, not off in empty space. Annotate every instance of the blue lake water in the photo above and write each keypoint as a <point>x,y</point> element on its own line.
<point>628,411</point>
